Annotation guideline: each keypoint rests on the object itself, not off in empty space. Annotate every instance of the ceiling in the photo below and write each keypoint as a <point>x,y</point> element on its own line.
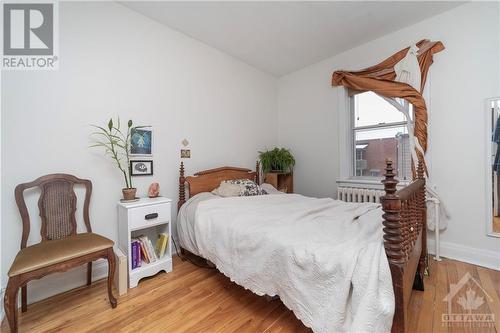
<point>281,37</point>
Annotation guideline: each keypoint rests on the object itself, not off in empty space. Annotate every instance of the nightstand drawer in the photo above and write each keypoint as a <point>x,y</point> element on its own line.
<point>149,215</point>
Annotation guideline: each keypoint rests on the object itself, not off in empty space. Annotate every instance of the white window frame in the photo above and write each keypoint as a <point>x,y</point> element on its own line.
<point>353,129</point>
<point>345,148</point>
<point>347,176</point>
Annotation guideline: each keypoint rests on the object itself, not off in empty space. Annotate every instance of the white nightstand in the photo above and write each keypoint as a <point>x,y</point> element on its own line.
<point>148,216</point>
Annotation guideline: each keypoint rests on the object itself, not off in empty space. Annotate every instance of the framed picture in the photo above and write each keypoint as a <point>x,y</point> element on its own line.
<point>141,141</point>
<point>141,168</point>
<point>185,153</point>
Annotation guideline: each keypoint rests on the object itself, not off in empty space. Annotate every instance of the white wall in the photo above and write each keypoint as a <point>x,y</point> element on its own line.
<point>113,62</point>
<point>462,77</point>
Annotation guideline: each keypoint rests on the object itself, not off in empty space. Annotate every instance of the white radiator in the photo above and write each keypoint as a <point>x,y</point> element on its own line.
<point>356,194</point>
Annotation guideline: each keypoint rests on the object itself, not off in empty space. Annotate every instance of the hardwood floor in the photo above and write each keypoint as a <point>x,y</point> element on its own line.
<point>192,299</point>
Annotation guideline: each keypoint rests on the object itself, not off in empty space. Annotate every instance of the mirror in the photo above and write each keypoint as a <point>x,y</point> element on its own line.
<point>493,158</point>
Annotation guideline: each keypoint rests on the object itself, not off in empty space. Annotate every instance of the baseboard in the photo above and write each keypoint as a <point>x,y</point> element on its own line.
<point>471,255</point>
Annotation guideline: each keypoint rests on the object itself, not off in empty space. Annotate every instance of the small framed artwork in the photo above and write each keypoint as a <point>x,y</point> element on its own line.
<point>141,141</point>
<point>141,168</point>
<point>185,153</point>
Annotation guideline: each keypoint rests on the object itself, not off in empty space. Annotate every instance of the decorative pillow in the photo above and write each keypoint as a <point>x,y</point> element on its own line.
<point>227,190</point>
<point>246,188</point>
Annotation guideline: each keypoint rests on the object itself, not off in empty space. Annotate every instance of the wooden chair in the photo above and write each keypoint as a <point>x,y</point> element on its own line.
<point>61,248</point>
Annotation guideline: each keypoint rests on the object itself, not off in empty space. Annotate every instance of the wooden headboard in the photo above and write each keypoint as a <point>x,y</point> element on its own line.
<point>208,180</point>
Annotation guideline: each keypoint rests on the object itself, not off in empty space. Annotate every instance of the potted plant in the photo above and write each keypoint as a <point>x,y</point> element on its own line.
<point>276,160</point>
<point>116,144</point>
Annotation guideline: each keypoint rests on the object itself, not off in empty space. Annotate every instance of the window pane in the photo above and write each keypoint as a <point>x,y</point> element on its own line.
<point>371,109</point>
<point>374,146</point>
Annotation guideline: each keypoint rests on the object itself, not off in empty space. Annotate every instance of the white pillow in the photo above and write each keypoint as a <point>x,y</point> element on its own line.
<point>227,190</point>
<point>270,189</point>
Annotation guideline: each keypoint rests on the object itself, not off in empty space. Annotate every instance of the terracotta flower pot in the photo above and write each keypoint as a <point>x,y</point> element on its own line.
<point>129,193</point>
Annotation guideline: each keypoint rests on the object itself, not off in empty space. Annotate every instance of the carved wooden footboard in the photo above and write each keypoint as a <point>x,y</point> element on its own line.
<point>405,239</point>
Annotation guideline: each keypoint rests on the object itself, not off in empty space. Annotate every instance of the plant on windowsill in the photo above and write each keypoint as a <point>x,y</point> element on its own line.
<point>116,144</point>
<point>276,160</point>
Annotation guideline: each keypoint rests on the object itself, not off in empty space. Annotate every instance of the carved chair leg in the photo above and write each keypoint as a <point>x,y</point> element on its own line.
<point>24,298</point>
<point>10,302</point>
<point>89,273</point>
<point>111,275</point>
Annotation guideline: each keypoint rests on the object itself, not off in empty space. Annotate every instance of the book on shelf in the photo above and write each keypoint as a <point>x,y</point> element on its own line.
<point>151,250</point>
<point>147,249</point>
<point>136,254</point>
<point>142,249</point>
<point>144,253</point>
<point>161,244</point>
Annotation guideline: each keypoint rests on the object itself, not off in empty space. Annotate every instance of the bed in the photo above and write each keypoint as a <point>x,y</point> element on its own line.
<point>231,234</point>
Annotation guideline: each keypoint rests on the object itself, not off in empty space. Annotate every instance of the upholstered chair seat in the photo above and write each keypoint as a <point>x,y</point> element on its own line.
<point>56,251</point>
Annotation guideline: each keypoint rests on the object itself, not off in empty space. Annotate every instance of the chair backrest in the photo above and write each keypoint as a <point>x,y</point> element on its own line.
<point>57,205</point>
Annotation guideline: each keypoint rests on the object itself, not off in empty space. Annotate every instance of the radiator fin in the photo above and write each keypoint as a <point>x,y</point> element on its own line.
<point>356,194</point>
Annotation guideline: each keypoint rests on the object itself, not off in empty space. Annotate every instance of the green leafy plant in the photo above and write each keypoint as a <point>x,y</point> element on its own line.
<point>116,144</point>
<point>277,159</point>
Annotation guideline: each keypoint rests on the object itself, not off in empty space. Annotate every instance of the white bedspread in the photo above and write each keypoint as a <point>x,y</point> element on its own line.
<point>187,215</point>
<point>186,218</point>
<point>324,258</point>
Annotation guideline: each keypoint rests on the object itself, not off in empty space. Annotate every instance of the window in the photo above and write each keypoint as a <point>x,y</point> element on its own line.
<point>378,132</point>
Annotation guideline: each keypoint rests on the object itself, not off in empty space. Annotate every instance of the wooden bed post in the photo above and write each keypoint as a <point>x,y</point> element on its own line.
<point>393,241</point>
<point>422,207</point>
<point>257,172</point>
<point>392,228</point>
<point>182,187</point>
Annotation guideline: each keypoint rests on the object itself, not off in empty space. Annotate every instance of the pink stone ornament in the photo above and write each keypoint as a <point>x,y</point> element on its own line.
<point>154,190</point>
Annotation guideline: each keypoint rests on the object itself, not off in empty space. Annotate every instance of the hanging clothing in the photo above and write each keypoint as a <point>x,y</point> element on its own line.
<point>496,139</point>
<point>408,70</point>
